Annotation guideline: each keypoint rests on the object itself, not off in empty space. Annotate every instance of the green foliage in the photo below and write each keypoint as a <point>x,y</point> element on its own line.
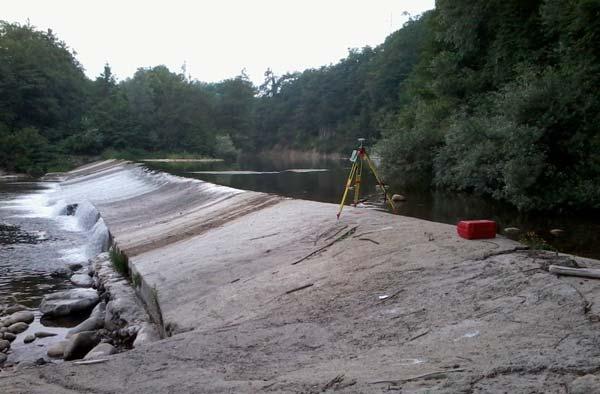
<point>504,102</point>
<point>119,261</point>
<point>492,97</point>
<point>535,242</point>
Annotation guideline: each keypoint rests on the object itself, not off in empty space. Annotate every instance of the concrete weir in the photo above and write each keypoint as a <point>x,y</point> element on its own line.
<point>258,293</point>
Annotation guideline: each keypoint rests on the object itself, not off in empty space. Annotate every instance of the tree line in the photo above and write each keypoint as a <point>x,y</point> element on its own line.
<point>492,97</point>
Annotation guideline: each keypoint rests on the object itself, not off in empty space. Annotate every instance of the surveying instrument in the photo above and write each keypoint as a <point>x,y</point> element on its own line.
<point>358,157</point>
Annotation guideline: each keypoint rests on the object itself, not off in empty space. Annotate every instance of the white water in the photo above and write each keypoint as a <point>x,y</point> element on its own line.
<point>116,184</point>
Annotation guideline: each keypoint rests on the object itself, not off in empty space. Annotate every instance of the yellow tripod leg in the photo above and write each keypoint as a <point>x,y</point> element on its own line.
<point>357,182</point>
<point>385,193</point>
<point>348,183</point>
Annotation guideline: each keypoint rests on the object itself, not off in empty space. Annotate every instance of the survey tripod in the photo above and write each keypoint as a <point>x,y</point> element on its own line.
<point>358,158</point>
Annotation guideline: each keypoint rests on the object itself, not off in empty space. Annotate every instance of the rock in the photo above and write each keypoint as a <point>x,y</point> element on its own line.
<point>67,302</point>
<point>557,232</point>
<point>100,351</point>
<point>82,280</point>
<point>44,334</point>
<point>9,336</point>
<point>512,230</point>
<point>29,338</point>
<point>398,198</point>
<point>57,350</point>
<point>74,267</point>
<point>14,308</point>
<point>3,358</point>
<point>4,345</point>
<point>585,385</point>
<point>5,321</point>
<point>80,344</point>
<point>22,316</point>
<point>18,328</point>
<point>71,209</point>
<point>2,330</point>
<point>94,322</point>
<point>146,334</point>
<point>61,273</point>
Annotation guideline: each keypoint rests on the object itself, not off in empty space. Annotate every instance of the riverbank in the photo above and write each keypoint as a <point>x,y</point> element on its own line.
<point>258,293</point>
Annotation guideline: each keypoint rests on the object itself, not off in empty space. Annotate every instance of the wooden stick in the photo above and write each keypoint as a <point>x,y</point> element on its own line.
<point>584,272</point>
<point>299,288</point>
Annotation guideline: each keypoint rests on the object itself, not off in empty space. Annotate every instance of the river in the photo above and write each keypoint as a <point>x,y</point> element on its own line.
<point>37,240</point>
<point>323,179</point>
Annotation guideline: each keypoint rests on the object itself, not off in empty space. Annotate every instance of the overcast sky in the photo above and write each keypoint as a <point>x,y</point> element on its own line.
<point>216,39</point>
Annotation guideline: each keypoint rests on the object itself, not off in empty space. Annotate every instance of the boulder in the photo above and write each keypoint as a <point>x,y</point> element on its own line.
<point>557,232</point>
<point>4,345</point>
<point>512,230</point>
<point>44,334</point>
<point>18,328</point>
<point>75,267</point>
<point>71,209</point>
<point>82,280</point>
<point>61,273</point>
<point>3,358</point>
<point>9,336</point>
<point>68,302</point>
<point>29,338</point>
<point>22,316</point>
<point>80,344</point>
<point>57,350</point>
<point>398,198</point>
<point>94,322</point>
<point>14,308</point>
<point>147,333</point>
<point>100,351</point>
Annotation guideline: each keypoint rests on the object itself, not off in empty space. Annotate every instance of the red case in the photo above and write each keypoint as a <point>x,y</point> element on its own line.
<point>476,229</point>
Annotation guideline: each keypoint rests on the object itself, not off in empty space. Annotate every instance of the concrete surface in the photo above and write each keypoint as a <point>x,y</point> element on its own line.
<point>257,293</point>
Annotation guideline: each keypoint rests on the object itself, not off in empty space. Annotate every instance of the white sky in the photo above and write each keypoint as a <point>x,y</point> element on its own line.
<point>216,39</point>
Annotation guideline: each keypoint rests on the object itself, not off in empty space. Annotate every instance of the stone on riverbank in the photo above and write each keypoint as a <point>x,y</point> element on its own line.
<point>14,308</point>
<point>4,345</point>
<point>29,338</point>
<point>80,344</point>
<point>82,280</point>
<point>67,302</point>
<point>61,273</point>
<point>94,322</point>
<point>3,358</point>
<point>57,350</point>
<point>100,351</point>
<point>148,333</point>
<point>18,328</point>
<point>21,316</point>
<point>512,230</point>
<point>44,334</point>
<point>9,336</point>
<point>75,266</point>
<point>398,198</point>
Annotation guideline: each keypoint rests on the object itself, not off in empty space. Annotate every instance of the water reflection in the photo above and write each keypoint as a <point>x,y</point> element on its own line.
<point>272,175</point>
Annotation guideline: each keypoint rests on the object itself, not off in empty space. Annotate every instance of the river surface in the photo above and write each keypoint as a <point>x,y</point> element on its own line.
<point>37,238</point>
<point>323,179</point>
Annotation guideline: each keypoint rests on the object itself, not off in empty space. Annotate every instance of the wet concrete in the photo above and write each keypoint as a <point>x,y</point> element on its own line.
<point>257,293</point>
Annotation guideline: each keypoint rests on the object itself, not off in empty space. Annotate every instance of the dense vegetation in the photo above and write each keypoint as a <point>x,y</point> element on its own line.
<point>492,97</point>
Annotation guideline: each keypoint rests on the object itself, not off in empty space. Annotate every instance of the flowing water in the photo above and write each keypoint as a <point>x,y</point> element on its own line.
<point>37,238</point>
<point>323,179</point>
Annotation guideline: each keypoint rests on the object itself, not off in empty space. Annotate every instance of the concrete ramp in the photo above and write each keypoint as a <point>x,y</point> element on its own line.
<point>257,293</point>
